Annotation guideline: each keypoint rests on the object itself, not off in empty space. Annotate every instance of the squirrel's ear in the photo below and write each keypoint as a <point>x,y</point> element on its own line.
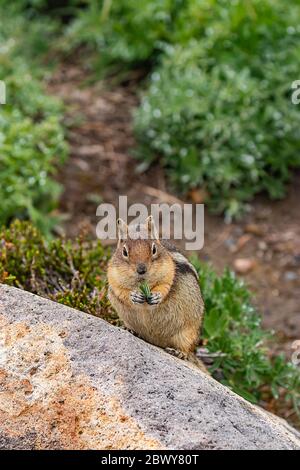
<point>152,232</point>
<point>122,230</point>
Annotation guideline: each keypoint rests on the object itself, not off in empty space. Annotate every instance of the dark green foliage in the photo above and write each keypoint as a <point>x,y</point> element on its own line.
<point>232,327</point>
<point>31,135</point>
<point>60,9</point>
<point>218,112</point>
<point>125,31</point>
<point>72,273</point>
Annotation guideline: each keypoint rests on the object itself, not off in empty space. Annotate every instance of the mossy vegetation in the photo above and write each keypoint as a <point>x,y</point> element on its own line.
<point>74,273</point>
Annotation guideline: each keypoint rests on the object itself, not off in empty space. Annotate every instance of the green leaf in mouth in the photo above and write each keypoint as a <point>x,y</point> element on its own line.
<point>145,289</point>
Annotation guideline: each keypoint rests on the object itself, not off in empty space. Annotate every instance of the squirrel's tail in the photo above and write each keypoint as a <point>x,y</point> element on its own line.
<point>191,357</point>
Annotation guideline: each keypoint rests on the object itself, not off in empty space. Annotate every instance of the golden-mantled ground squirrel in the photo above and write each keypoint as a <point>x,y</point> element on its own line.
<point>171,316</point>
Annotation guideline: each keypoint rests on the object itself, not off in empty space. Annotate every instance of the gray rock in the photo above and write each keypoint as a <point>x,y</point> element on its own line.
<point>71,381</point>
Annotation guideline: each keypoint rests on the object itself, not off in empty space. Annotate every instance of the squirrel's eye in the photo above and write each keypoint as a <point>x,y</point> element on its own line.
<point>154,249</point>
<point>125,252</point>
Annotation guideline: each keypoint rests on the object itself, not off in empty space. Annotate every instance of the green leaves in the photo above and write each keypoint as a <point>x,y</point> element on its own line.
<point>31,135</point>
<point>215,324</point>
<point>233,328</point>
<point>127,32</point>
<point>145,289</point>
<point>218,113</point>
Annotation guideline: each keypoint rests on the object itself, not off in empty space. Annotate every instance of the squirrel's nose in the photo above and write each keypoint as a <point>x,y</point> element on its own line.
<point>141,268</point>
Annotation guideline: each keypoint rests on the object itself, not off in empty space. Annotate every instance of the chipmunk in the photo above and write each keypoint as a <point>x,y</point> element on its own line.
<point>171,316</point>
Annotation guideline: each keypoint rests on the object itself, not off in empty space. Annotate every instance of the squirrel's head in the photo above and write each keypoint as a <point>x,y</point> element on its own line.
<point>139,255</point>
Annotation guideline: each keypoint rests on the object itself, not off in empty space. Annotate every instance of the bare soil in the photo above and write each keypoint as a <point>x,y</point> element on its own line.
<point>263,248</point>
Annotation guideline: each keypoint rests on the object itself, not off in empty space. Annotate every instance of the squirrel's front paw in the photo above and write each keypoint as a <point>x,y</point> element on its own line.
<point>137,297</point>
<point>155,298</point>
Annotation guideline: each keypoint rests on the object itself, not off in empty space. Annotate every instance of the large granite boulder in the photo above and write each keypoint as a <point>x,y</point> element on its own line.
<point>71,381</point>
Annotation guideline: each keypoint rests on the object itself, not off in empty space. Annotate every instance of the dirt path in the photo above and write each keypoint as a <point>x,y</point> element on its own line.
<point>100,168</point>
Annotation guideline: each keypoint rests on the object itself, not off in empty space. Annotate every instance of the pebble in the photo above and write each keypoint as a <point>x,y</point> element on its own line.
<point>262,246</point>
<point>290,276</point>
<point>244,265</point>
<point>254,229</point>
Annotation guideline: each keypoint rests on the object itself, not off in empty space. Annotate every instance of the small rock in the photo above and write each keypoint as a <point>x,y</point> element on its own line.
<point>254,229</point>
<point>262,246</point>
<point>297,259</point>
<point>242,241</point>
<point>244,265</point>
<point>290,276</point>
<point>81,164</point>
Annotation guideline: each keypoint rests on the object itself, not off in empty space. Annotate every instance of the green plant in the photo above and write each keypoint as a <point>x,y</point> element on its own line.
<point>22,42</point>
<point>31,133</point>
<point>145,289</point>
<point>129,32</point>
<point>218,112</point>
<point>60,9</point>
<point>120,31</point>
<point>232,332</point>
<point>69,272</point>
<point>74,273</point>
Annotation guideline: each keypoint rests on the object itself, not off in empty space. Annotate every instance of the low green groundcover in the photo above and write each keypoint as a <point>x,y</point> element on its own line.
<point>32,140</point>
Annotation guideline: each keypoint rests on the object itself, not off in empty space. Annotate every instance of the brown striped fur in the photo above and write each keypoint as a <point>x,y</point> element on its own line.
<point>176,321</point>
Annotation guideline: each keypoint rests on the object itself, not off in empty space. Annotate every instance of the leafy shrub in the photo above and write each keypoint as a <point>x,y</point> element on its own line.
<point>31,135</point>
<point>61,9</point>
<point>21,40</point>
<point>125,30</point>
<point>130,32</point>
<point>68,272</point>
<point>232,327</point>
<point>74,273</point>
<point>218,112</point>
